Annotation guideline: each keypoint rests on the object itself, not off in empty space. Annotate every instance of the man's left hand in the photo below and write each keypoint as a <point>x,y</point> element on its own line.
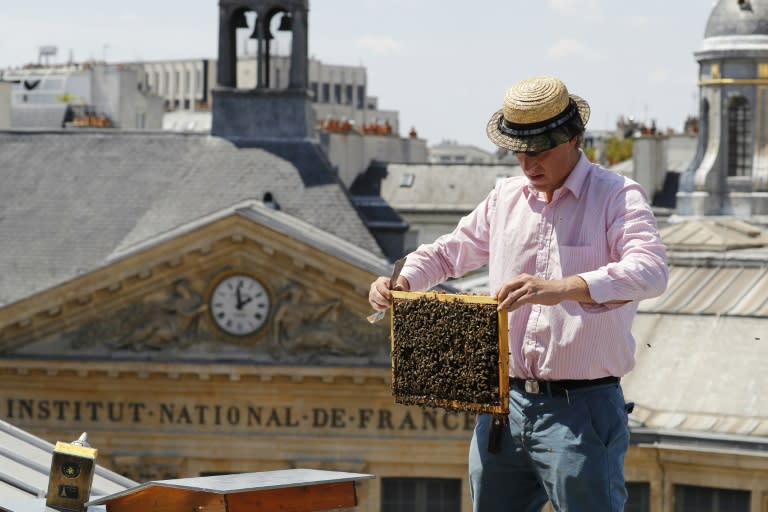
<point>528,289</point>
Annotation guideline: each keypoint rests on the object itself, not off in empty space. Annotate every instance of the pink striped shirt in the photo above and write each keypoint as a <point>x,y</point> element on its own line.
<point>598,226</point>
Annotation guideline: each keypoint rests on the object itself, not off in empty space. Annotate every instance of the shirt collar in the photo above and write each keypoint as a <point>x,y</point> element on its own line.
<point>577,178</point>
<point>574,182</point>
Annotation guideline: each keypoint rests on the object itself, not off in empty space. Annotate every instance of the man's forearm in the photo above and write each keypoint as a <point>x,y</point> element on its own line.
<point>576,288</point>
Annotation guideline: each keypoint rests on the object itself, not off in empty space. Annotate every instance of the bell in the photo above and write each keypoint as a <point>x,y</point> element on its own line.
<point>257,32</point>
<point>286,23</point>
<point>239,19</point>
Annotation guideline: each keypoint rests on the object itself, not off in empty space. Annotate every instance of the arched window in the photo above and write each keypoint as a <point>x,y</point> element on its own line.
<point>739,140</point>
<point>704,121</point>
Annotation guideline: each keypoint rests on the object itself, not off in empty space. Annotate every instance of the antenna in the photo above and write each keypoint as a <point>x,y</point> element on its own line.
<point>45,52</point>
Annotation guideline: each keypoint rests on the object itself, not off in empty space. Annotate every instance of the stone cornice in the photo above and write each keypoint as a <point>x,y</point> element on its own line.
<point>201,372</point>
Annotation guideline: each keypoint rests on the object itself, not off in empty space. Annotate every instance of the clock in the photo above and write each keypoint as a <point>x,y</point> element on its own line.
<point>239,304</point>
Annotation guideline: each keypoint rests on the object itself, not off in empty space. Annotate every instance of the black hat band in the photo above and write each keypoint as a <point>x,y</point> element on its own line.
<point>531,129</point>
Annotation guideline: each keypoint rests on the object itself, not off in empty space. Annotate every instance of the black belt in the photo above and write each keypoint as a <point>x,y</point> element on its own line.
<point>557,387</point>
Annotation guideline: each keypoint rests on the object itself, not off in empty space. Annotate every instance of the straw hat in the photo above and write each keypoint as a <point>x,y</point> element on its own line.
<point>538,114</point>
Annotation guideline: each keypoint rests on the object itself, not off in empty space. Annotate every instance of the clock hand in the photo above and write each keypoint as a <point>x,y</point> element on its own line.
<point>240,302</point>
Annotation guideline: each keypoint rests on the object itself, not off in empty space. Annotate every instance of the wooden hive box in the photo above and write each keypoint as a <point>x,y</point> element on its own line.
<point>290,490</point>
<point>449,351</point>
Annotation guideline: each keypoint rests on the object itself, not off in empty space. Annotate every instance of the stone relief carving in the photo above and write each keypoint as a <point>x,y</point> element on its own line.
<point>174,321</point>
<point>307,327</point>
<point>159,323</point>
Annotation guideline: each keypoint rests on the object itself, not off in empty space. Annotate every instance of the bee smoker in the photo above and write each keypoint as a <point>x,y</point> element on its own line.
<point>72,469</point>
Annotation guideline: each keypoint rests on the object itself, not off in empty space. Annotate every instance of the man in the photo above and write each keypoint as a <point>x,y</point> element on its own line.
<point>571,248</point>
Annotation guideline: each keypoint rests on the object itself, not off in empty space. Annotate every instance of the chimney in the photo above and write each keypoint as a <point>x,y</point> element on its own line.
<point>72,469</point>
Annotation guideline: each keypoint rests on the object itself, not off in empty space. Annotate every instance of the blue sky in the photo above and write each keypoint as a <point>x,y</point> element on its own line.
<point>444,64</point>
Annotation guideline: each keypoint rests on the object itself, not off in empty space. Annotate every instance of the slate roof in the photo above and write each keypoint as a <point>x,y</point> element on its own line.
<point>441,187</point>
<point>70,200</point>
<point>36,116</point>
<point>278,221</point>
<point>25,464</point>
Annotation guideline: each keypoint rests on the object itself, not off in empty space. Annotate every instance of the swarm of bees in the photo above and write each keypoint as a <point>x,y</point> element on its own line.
<point>445,353</point>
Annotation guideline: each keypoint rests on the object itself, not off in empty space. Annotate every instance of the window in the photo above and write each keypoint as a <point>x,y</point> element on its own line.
<point>360,96</point>
<point>406,180</point>
<point>739,146</point>
<point>337,93</point>
<point>420,495</point>
<point>638,497</point>
<point>350,94</point>
<point>689,498</point>
<point>314,88</point>
<point>326,92</point>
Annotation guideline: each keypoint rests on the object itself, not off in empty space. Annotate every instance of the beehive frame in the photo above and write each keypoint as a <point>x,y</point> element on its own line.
<point>503,353</point>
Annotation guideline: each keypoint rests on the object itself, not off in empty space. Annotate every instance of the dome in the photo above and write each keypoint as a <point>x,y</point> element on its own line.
<point>738,18</point>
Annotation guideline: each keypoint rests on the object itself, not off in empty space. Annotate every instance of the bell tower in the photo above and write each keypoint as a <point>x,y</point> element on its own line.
<point>729,174</point>
<point>266,111</point>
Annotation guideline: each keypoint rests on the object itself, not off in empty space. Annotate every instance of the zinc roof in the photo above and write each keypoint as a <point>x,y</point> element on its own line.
<point>25,464</point>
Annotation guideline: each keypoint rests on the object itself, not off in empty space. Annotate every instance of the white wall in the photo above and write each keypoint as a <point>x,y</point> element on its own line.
<point>5,105</point>
<point>352,153</point>
<point>649,155</point>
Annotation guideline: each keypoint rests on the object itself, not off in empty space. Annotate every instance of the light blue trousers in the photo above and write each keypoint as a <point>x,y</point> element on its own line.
<point>568,450</point>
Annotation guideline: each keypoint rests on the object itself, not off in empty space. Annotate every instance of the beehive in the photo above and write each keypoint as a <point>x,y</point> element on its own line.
<point>449,351</point>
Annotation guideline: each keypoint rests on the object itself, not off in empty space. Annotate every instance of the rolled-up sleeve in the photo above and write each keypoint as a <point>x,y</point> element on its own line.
<point>454,254</point>
<point>639,270</point>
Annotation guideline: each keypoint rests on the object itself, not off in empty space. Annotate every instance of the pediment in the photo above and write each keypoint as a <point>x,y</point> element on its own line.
<point>154,301</point>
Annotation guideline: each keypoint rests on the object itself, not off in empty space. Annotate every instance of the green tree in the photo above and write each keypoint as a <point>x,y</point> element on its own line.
<point>618,150</point>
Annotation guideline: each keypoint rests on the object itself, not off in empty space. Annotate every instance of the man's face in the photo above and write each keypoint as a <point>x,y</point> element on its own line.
<point>548,170</point>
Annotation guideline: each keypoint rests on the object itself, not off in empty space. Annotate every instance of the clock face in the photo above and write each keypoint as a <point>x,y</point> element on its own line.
<point>239,304</point>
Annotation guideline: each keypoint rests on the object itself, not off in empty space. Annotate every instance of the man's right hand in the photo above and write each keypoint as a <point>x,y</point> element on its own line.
<point>379,296</point>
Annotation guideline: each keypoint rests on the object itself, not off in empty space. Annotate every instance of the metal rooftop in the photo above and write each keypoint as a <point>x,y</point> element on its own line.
<point>25,464</point>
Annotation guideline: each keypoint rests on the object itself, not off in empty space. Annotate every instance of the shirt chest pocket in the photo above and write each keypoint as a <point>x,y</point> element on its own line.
<point>575,259</point>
